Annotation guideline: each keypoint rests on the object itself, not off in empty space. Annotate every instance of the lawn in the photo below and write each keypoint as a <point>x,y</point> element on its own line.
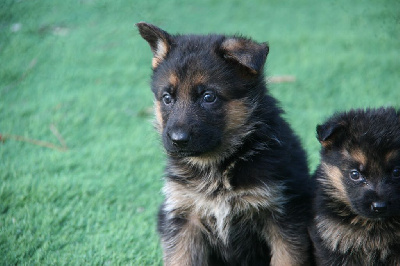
<point>80,162</point>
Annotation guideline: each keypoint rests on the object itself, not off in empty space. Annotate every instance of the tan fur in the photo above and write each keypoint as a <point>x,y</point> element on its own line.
<point>196,200</point>
<point>173,80</point>
<point>180,248</point>
<point>232,44</point>
<point>346,154</point>
<point>326,143</point>
<point>198,79</point>
<point>189,83</point>
<point>364,237</point>
<point>391,155</point>
<point>356,155</point>
<point>359,156</point>
<point>159,53</point>
<point>159,123</point>
<point>238,115</point>
<point>333,182</point>
<point>281,249</point>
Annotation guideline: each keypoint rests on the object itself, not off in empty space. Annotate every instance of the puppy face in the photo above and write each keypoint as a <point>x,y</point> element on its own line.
<point>204,88</point>
<point>361,161</point>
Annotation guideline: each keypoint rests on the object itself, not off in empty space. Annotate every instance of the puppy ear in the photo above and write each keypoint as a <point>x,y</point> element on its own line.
<point>246,52</point>
<point>159,41</point>
<point>328,133</point>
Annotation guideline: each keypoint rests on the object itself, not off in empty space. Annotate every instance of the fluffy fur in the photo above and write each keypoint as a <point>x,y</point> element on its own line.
<point>357,205</point>
<point>236,182</point>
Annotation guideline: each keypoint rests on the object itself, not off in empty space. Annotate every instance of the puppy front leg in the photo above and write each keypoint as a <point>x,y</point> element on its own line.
<point>284,251</point>
<point>185,246</point>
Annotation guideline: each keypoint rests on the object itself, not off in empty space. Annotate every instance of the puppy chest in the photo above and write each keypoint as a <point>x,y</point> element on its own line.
<point>217,216</point>
<point>212,217</point>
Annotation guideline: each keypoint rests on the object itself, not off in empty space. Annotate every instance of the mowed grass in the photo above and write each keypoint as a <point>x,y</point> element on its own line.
<point>81,69</point>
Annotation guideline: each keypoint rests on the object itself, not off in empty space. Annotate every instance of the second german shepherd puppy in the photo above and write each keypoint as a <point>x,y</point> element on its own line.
<point>357,220</point>
<point>236,190</point>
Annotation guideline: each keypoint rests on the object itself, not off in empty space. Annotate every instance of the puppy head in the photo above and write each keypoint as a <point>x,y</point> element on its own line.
<point>205,89</point>
<point>360,161</point>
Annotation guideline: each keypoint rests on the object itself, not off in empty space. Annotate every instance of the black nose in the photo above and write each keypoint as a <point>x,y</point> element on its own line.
<point>179,138</point>
<point>379,206</point>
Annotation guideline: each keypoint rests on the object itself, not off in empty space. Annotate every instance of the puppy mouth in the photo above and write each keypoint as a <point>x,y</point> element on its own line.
<point>190,150</point>
<point>377,217</point>
<point>374,215</point>
<point>183,153</point>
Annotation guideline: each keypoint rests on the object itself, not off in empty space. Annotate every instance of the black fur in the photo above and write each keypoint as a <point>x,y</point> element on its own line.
<point>357,205</point>
<point>237,184</point>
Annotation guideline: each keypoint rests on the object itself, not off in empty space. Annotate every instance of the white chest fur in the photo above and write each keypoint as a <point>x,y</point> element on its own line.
<point>214,212</point>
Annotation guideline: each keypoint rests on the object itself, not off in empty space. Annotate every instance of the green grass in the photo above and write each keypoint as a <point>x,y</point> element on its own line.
<point>82,67</point>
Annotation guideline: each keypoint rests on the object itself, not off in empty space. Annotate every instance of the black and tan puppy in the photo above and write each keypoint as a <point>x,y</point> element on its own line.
<point>357,220</point>
<point>237,178</point>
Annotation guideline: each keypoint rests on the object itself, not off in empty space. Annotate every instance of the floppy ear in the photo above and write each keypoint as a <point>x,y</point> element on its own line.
<point>328,133</point>
<point>246,52</point>
<point>159,41</point>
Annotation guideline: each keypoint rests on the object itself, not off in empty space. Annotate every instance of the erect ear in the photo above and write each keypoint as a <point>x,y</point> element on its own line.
<point>329,132</point>
<point>246,52</point>
<point>159,41</point>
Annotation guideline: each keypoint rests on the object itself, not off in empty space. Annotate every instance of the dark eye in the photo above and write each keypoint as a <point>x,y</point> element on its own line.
<point>209,97</point>
<point>167,98</point>
<point>396,172</point>
<point>355,175</point>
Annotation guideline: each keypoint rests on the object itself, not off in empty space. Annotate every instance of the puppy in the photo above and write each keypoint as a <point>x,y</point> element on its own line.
<point>357,204</point>
<point>236,181</point>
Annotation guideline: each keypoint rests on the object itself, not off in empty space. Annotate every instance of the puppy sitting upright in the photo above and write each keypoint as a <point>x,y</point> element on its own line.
<point>357,220</point>
<point>236,190</point>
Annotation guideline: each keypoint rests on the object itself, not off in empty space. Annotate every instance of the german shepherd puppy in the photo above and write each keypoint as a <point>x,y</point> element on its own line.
<point>357,205</point>
<point>236,188</point>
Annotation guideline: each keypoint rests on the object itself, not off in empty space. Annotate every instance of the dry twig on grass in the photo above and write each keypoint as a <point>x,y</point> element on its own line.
<point>54,130</point>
